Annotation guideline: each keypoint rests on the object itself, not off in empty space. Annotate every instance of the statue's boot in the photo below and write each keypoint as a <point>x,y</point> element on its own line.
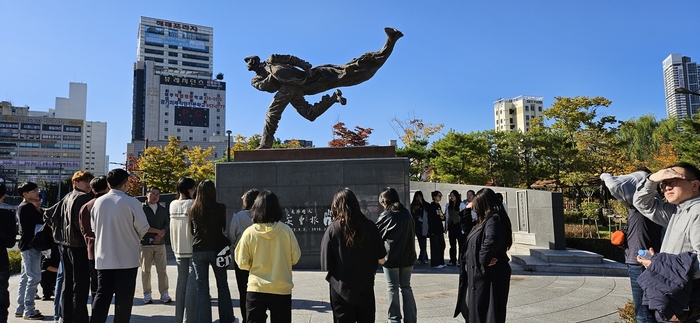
<point>393,33</point>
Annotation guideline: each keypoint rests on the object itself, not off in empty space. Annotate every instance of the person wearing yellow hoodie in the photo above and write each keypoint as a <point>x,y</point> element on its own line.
<point>268,249</point>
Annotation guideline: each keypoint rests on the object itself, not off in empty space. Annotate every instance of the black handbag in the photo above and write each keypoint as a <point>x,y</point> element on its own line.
<point>43,238</point>
<point>224,257</point>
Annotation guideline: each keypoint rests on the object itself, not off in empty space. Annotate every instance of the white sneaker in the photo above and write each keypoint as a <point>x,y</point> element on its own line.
<point>165,298</point>
<point>439,266</point>
<point>147,299</point>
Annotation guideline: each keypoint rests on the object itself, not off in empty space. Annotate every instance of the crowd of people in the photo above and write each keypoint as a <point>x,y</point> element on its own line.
<point>102,238</point>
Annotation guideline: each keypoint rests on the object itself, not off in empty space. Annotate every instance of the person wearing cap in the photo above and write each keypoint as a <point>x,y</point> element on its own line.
<point>30,220</point>
<point>642,234</point>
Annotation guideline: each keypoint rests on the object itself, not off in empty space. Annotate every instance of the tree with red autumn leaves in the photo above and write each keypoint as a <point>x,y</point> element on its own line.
<point>344,137</point>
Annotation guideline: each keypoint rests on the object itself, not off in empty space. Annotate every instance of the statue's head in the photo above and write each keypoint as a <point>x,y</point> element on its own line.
<point>253,62</point>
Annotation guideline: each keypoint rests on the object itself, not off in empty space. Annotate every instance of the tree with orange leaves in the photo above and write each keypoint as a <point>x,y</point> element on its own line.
<point>349,138</point>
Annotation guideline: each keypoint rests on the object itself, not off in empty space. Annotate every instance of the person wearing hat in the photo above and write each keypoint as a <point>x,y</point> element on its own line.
<point>30,219</point>
<point>642,234</point>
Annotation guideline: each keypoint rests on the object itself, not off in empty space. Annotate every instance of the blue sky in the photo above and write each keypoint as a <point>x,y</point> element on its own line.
<point>456,59</point>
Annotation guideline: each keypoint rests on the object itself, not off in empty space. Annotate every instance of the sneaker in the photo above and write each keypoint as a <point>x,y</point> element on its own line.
<point>19,314</point>
<point>450,263</point>
<point>439,266</point>
<point>34,317</point>
<point>165,298</point>
<point>147,299</point>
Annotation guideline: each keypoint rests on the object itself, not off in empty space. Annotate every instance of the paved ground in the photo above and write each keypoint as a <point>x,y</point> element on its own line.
<point>534,297</point>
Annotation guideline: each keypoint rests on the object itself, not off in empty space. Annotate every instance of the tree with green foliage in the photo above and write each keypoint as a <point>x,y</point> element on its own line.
<point>162,167</point>
<point>415,135</point>
<point>461,158</point>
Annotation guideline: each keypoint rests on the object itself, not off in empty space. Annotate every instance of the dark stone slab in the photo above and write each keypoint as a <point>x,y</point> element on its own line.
<point>314,153</point>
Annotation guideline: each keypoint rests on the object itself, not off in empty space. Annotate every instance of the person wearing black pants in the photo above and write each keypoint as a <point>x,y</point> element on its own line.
<point>76,273</point>
<point>436,231</point>
<point>118,282</point>
<point>242,282</point>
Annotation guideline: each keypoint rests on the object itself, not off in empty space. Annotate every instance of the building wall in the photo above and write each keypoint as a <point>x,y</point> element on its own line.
<point>95,143</point>
<point>176,45</point>
<point>516,113</point>
<point>680,71</point>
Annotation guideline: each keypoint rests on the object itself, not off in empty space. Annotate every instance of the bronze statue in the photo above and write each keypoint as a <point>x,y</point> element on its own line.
<point>293,78</point>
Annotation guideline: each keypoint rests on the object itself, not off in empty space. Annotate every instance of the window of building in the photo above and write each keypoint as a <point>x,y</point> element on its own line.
<point>218,125</point>
<point>155,59</point>
<point>527,117</point>
<point>154,51</point>
<point>172,54</point>
<point>165,137</point>
<point>527,108</point>
<point>197,57</point>
<point>190,138</point>
<point>178,137</point>
<point>218,117</point>
<point>540,109</point>
<point>166,129</point>
<point>204,139</point>
<point>172,61</point>
<point>172,46</point>
<point>511,120</point>
<point>166,113</point>
<point>166,121</point>
<point>191,130</point>
<point>204,131</point>
<point>178,129</point>
<point>202,65</point>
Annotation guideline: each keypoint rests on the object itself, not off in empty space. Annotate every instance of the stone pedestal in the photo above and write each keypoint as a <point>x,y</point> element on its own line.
<point>305,186</point>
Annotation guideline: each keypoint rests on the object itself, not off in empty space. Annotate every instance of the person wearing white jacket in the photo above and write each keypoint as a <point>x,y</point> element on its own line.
<point>181,243</point>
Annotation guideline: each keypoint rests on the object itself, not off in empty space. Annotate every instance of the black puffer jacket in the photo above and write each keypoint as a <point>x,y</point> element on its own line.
<point>398,233</point>
<point>669,288</point>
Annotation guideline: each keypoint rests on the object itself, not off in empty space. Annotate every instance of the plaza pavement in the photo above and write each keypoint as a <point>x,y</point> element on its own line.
<point>534,297</point>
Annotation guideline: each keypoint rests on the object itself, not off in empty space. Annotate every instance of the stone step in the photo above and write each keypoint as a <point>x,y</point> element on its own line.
<point>571,256</point>
<point>606,268</point>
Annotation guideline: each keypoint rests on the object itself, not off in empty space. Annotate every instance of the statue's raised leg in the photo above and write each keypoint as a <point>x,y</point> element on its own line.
<point>311,112</point>
<point>274,114</point>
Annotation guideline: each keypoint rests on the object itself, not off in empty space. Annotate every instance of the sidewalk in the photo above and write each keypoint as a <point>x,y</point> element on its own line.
<point>534,297</point>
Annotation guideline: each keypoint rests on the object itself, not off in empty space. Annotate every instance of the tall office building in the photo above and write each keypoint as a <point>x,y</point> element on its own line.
<point>95,157</point>
<point>516,113</point>
<point>174,93</point>
<point>680,71</point>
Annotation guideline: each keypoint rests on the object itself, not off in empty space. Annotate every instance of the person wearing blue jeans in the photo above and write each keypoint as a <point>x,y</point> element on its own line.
<point>30,219</point>
<point>185,292</point>
<point>400,278</point>
<point>397,229</point>
<point>28,283</point>
<point>58,292</point>
<point>202,260</point>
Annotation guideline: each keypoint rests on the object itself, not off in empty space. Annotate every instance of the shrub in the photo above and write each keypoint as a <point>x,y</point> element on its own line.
<point>590,209</point>
<point>573,216</point>
<point>627,314</point>
<point>15,261</point>
<point>575,230</point>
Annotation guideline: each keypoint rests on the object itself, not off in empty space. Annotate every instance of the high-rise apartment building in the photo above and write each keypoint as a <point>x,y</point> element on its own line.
<point>516,113</point>
<point>174,93</point>
<point>95,151</point>
<point>680,71</point>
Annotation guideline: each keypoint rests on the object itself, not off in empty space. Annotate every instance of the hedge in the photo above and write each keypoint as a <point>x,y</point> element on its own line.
<point>15,261</point>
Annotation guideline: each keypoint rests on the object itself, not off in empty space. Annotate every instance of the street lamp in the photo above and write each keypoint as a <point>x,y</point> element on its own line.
<point>683,90</point>
<point>228,149</point>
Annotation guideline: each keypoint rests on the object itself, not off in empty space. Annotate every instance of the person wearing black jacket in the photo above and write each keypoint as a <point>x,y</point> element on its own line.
<point>30,219</point>
<point>396,226</point>
<point>436,231</point>
<point>8,234</point>
<point>486,263</point>
<point>350,250</point>
<point>420,218</point>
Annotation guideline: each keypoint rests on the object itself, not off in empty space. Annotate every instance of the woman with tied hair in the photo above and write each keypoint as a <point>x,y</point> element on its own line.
<point>396,226</point>
<point>241,221</point>
<point>181,242</point>
<point>350,251</point>
<point>486,272</point>
<point>268,249</point>
<point>208,219</point>
<point>420,218</point>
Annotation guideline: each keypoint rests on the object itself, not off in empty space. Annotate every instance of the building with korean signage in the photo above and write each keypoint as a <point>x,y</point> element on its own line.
<point>51,145</point>
<point>516,113</point>
<point>174,92</point>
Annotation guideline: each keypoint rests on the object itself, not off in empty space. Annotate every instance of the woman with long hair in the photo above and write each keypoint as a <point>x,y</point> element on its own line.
<point>268,249</point>
<point>486,270</point>
<point>350,251</point>
<point>454,228</point>
<point>436,231</point>
<point>241,221</point>
<point>181,243</point>
<point>208,219</point>
<point>396,226</point>
<point>420,218</point>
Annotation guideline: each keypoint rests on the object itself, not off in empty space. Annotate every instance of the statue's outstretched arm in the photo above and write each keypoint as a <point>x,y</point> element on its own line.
<point>289,59</point>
